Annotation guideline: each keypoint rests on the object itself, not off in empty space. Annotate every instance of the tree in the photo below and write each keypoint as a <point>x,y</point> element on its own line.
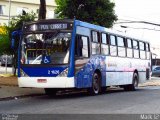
<point>16,23</point>
<point>4,41</point>
<point>42,10</point>
<point>98,12</point>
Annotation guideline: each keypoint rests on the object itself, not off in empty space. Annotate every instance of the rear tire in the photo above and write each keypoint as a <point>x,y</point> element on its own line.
<point>134,85</point>
<point>50,92</point>
<point>96,86</point>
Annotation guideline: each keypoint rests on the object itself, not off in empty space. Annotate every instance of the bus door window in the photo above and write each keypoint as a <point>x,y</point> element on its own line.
<point>121,47</point>
<point>129,48</point>
<point>81,52</point>
<point>104,45</point>
<point>136,49</point>
<point>142,50</point>
<point>81,46</point>
<point>95,43</point>
<point>113,47</point>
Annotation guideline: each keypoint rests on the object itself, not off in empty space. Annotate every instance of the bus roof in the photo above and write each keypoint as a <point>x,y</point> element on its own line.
<point>106,30</point>
<point>84,24</point>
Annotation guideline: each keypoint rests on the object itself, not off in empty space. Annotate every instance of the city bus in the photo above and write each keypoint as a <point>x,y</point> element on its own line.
<point>66,54</point>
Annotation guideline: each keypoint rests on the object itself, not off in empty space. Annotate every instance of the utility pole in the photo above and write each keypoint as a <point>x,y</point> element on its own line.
<point>42,10</point>
<point>9,14</point>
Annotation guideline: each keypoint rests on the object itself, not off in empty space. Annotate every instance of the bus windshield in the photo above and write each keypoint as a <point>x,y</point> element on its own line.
<point>45,48</point>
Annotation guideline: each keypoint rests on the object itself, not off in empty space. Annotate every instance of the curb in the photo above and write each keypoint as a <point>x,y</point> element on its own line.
<point>19,97</point>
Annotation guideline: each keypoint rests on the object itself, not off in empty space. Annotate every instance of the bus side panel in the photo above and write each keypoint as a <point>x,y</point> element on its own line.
<point>83,76</point>
<point>120,70</point>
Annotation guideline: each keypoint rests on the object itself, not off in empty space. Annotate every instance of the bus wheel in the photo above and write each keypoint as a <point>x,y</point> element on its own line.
<point>134,84</point>
<point>96,87</point>
<point>50,92</point>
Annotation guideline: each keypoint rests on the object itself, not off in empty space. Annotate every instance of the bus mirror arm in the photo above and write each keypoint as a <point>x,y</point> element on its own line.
<point>13,43</point>
<point>14,34</point>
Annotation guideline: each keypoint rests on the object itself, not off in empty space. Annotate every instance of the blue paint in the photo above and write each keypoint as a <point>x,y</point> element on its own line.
<point>19,33</point>
<point>72,52</point>
<point>83,77</point>
<point>43,71</point>
<point>91,26</point>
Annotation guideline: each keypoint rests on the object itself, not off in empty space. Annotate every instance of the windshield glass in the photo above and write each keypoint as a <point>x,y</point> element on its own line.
<point>45,48</point>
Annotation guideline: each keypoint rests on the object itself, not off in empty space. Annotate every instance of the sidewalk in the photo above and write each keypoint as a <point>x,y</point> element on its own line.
<point>9,89</point>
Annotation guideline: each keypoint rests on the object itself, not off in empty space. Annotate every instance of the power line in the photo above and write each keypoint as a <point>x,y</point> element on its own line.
<point>145,22</point>
<point>138,28</point>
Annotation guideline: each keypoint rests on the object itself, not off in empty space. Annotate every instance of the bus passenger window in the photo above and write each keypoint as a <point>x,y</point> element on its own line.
<point>113,47</point>
<point>129,48</point>
<point>135,45</point>
<point>136,49</point>
<point>95,36</point>
<point>112,40</point>
<point>121,47</point>
<point>95,43</point>
<point>104,38</point>
<point>104,45</point>
<point>147,51</point>
<point>142,50</point>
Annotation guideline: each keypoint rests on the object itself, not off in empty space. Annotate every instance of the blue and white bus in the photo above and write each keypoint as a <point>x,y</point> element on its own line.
<point>71,54</point>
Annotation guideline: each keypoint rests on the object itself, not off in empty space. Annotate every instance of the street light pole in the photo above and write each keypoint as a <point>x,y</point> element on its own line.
<point>9,14</point>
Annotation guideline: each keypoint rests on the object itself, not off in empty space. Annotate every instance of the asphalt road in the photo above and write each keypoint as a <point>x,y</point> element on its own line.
<point>144,100</point>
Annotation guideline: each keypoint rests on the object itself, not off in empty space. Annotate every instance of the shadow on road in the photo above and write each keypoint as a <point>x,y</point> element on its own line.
<point>84,93</point>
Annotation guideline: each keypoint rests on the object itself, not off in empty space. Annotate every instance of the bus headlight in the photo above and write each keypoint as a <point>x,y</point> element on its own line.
<point>64,73</point>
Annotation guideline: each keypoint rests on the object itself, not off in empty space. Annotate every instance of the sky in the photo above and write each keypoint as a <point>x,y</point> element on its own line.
<point>139,10</point>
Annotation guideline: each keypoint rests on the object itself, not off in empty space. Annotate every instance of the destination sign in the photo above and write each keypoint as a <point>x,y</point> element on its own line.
<point>43,27</point>
<point>52,26</point>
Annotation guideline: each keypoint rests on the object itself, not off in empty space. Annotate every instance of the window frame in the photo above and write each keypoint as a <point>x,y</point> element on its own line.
<point>92,40</point>
<point>115,40</point>
<point>110,45</point>
<point>106,44</point>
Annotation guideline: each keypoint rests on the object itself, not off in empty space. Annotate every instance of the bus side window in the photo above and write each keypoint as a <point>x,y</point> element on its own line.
<point>121,47</point>
<point>104,45</point>
<point>136,49</point>
<point>142,50</point>
<point>129,48</point>
<point>95,43</point>
<point>147,51</point>
<point>113,47</point>
<point>82,46</point>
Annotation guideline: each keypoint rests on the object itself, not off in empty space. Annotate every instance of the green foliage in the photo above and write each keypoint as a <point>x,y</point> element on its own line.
<point>17,22</point>
<point>98,12</point>
<point>4,44</point>
<point>5,34</point>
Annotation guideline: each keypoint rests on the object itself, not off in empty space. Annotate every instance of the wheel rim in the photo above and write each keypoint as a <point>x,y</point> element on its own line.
<point>96,83</point>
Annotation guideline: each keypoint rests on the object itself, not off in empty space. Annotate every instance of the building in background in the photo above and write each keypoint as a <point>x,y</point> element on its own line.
<point>11,8</point>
